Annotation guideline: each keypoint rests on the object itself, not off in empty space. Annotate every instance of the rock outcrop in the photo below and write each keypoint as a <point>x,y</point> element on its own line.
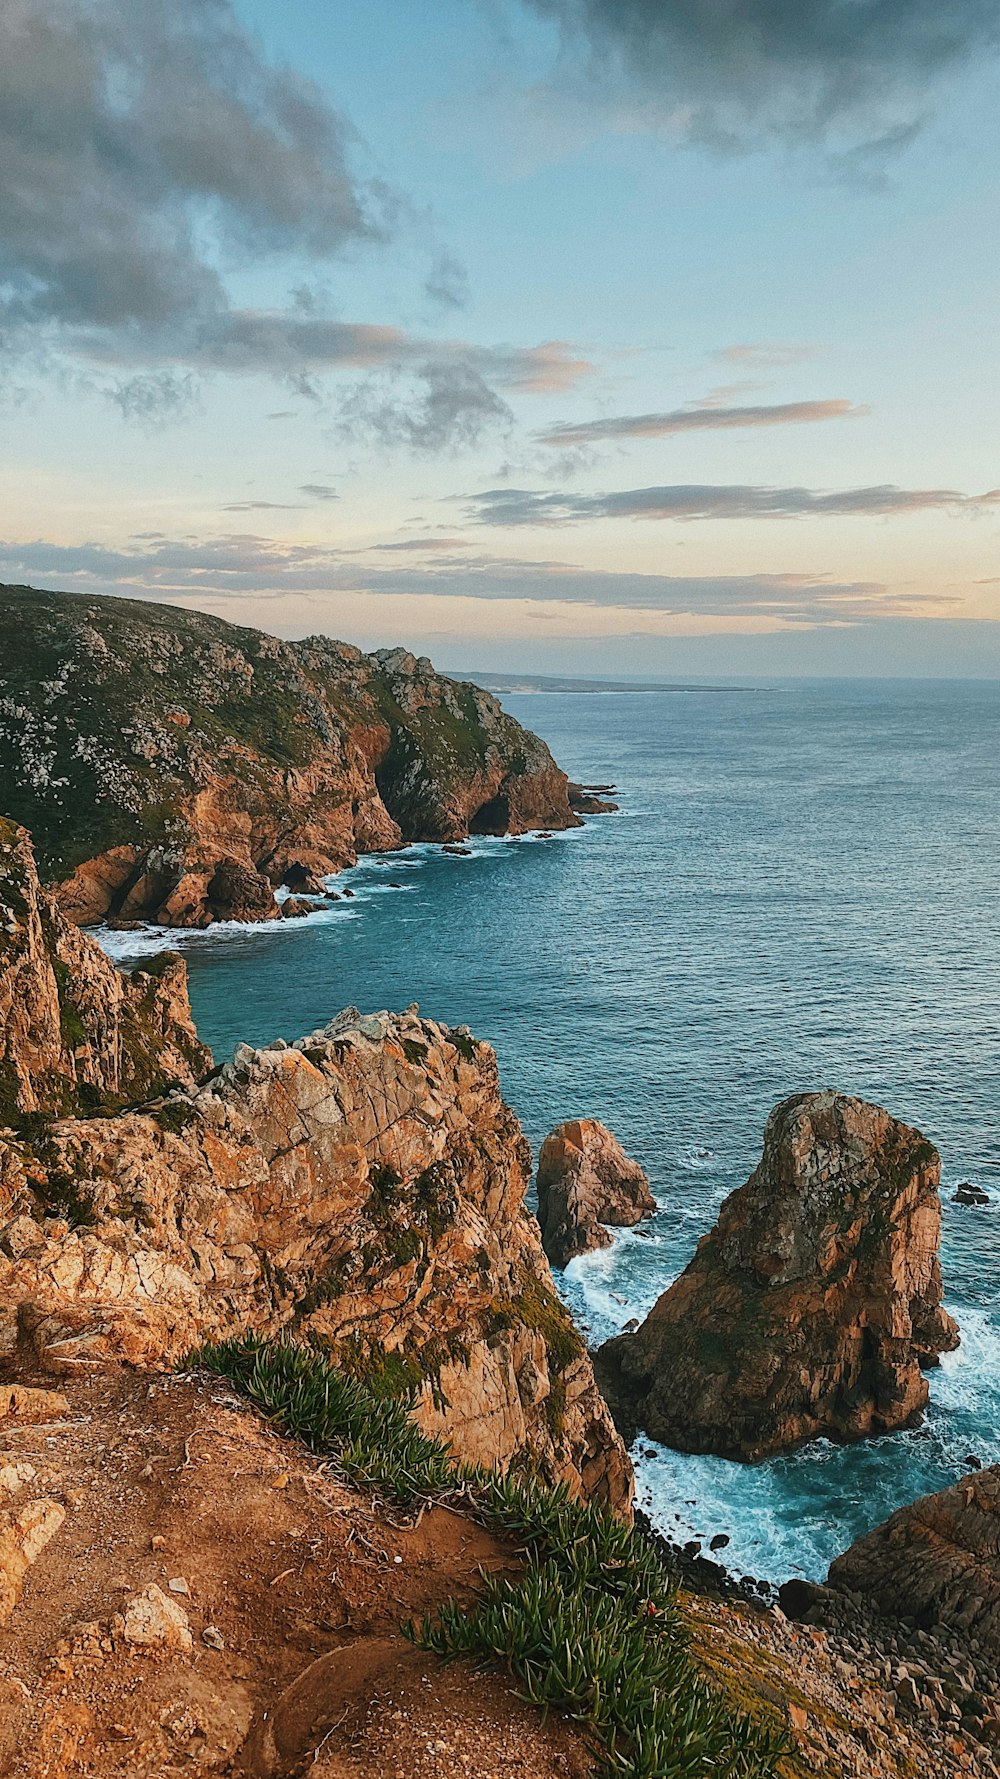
<point>814,1304</point>
<point>936,1562</point>
<point>586,1180</point>
<point>365,1185</point>
<point>74,1032</point>
<point>174,767</point>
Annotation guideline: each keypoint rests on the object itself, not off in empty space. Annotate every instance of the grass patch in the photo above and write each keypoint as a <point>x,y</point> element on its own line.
<point>590,1626</point>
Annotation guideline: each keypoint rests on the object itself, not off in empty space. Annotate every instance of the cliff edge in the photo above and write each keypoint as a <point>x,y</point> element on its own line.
<point>365,1185</point>
<point>176,768</point>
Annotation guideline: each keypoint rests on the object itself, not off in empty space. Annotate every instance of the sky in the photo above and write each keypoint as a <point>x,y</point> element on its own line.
<point>623,337</point>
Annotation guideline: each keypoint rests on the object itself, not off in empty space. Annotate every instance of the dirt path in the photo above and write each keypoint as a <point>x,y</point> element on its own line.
<point>275,1644</point>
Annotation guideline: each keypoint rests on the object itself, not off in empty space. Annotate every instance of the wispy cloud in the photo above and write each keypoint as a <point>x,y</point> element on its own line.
<point>147,152</point>
<point>704,416</point>
<point>319,491</point>
<point>764,355</point>
<point>520,506</point>
<point>261,506</point>
<point>244,565</point>
<point>724,73</point>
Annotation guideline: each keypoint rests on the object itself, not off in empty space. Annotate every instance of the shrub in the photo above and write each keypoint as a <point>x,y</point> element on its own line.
<point>590,1625</point>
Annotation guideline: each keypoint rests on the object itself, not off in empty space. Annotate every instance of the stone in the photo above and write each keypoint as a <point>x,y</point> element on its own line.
<point>814,1305</point>
<point>18,1402</point>
<point>155,1622</point>
<point>23,1536</point>
<point>586,1180</point>
<point>967,1194</point>
<point>936,1561</point>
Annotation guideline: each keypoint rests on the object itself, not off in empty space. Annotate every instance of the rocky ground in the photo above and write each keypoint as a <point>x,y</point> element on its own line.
<point>212,1600</point>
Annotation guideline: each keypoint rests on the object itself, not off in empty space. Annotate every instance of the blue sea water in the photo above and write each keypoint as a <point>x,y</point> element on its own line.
<point>801,890</point>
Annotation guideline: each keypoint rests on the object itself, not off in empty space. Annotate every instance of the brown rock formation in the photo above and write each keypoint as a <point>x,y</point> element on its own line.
<point>585,1180</point>
<point>937,1562</point>
<point>73,1029</point>
<point>366,1184</point>
<point>174,767</point>
<point>812,1306</point>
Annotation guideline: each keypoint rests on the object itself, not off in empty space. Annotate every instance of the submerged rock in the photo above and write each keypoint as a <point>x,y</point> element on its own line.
<point>814,1304</point>
<point>966,1193</point>
<point>586,1180</point>
<point>936,1562</point>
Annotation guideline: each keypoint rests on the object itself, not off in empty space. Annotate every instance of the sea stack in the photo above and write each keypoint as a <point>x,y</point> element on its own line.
<point>586,1180</point>
<point>812,1308</point>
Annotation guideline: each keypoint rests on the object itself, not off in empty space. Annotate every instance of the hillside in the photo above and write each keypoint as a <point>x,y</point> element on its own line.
<point>174,767</point>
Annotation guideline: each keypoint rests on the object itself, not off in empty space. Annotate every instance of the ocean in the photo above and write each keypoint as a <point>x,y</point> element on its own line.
<point>800,891</point>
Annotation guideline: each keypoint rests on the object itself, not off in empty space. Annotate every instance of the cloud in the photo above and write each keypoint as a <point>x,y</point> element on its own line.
<point>698,417</point>
<point>450,407</point>
<point>764,356</point>
<point>858,74</point>
<point>447,282</point>
<point>319,491</point>
<point>150,151</point>
<point>243,565</point>
<point>520,506</point>
<point>260,506</point>
<point>131,135</point>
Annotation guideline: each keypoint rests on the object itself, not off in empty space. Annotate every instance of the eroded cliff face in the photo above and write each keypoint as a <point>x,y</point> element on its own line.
<point>74,1032</point>
<point>365,1185</point>
<point>814,1304</point>
<point>174,767</point>
<point>936,1562</point>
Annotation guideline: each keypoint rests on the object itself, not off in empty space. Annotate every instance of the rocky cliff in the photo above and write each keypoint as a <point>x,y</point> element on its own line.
<point>174,767</point>
<point>74,1032</point>
<point>365,1185</point>
<point>813,1305</point>
<point>937,1564</point>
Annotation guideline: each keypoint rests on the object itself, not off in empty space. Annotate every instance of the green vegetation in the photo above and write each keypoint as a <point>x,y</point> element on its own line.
<point>538,1308</point>
<point>113,706</point>
<point>590,1625</point>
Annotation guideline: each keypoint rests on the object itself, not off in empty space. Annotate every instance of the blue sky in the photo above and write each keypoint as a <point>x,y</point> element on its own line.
<point>566,334</point>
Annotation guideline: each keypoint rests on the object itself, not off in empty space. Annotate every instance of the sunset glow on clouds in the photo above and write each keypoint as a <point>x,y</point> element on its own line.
<point>296,329</point>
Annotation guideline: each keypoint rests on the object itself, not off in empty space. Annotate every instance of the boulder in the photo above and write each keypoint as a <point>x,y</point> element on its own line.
<point>813,1306</point>
<point>966,1193</point>
<point>586,1180</point>
<point>154,1621</point>
<point>936,1562</point>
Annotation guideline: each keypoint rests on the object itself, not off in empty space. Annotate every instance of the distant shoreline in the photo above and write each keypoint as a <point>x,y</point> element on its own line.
<point>540,682</point>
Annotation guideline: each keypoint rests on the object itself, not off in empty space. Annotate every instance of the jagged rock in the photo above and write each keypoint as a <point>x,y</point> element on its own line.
<point>22,1403</point>
<point>936,1562</point>
<point>238,892</point>
<point>296,908</point>
<point>585,1180</point>
<point>176,768</point>
<point>73,1029</point>
<point>154,1621</point>
<point>589,799</point>
<point>23,1536</point>
<point>366,1183</point>
<point>968,1194</point>
<point>812,1306</point>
